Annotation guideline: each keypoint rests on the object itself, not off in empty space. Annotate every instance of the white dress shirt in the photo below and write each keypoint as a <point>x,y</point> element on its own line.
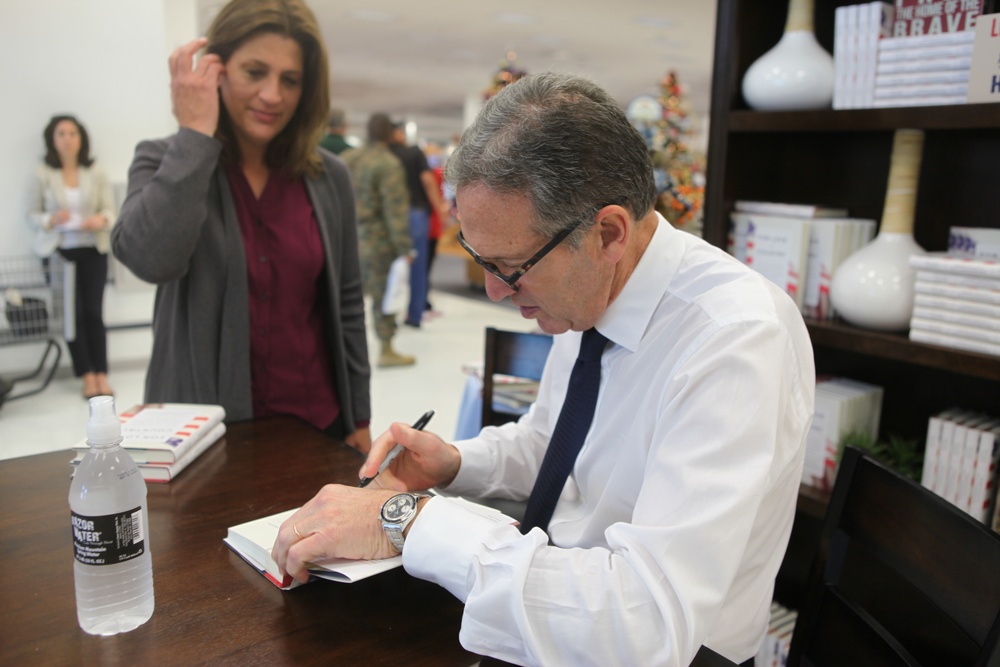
<point>676,517</point>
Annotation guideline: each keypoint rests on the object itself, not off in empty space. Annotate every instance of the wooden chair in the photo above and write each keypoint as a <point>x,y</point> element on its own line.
<point>901,577</point>
<point>510,353</point>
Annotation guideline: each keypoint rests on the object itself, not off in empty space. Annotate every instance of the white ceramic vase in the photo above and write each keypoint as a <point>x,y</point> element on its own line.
<point>797,73</point>
<point>873,288</point>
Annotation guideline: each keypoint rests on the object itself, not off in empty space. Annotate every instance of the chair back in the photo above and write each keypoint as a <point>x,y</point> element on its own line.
<point>510,353</point>
<point>901,577</point>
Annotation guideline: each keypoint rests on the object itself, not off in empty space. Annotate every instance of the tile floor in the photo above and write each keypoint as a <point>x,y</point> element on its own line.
<point>56,418</point>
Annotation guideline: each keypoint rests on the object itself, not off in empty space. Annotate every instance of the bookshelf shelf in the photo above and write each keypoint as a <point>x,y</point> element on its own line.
<point>954,117</point>
<point>841,159</point>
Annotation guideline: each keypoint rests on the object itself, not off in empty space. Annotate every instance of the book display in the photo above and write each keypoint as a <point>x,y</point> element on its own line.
<point>840,159</point>
<point>904,53</point>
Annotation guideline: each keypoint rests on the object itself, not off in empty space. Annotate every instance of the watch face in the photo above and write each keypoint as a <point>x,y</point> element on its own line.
<point>398,507</point>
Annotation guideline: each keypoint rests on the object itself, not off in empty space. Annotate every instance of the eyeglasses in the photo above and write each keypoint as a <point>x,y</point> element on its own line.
<point>511,280</point>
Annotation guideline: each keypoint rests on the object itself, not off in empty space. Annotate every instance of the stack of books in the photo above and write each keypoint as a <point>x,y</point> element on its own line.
<point>956,302</point>
<point>907,53</point>
<point>797,246</point>
<point>773,651</point>
<point>164,438</point>
<point>843,406</point>
<point>960,462</point>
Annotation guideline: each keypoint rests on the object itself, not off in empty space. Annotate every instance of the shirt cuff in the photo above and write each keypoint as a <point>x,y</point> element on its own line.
<point>442,544</point>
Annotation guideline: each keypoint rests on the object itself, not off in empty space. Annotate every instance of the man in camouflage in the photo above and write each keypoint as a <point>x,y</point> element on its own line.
<point>383,227</point>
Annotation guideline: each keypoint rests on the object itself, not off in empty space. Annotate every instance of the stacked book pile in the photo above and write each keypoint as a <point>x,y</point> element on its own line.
<point>843,407</point>
<point>960,462</point>
<point>906,53</point>
<point>956,302</point>
<point>164,438</point>
<point>773,651</point>
<point>797,246</point>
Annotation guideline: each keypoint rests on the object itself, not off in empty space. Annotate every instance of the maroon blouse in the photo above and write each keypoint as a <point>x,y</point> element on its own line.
<point>290,370</point>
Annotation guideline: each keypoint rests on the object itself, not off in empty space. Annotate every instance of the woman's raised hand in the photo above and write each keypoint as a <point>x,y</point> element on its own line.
<point>194,87</point>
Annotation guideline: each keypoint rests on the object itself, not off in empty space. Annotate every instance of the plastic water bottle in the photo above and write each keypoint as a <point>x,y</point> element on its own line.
<point>113,568</point>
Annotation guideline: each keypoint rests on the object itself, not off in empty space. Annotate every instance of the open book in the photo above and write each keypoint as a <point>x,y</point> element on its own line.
<point>253,541</point>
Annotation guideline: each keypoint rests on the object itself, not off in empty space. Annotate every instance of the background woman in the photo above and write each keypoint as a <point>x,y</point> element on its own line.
<point>249,231</point>
<point>73,209</point>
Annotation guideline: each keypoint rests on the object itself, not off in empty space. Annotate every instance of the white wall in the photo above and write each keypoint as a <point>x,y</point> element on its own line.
<point>101,60</point>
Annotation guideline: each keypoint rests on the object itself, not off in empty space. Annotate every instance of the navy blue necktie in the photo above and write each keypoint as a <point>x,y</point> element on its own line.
<point>571,429</point>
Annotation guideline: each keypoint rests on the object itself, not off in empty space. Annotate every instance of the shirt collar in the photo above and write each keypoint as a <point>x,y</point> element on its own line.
<point>627,318</point>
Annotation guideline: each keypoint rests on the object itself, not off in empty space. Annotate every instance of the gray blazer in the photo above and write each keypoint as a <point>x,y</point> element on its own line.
<point>49,195</point>
<point>178,228</point>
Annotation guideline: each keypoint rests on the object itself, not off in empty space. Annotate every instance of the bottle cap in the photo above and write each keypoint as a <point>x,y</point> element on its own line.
<point>103,427</point>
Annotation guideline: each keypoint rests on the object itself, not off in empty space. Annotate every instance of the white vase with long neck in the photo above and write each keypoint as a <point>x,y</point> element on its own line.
<point>873,288</point>
<point>797,73</point>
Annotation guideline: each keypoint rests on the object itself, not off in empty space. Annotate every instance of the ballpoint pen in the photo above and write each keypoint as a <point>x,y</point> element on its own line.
<point>394,452</point>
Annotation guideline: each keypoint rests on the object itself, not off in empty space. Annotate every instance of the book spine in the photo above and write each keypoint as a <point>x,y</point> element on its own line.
<point>916,78</point>
<point>892,102</point>
<point>943,51</point>
<point>972,333</point>
<point>840,55</point>
<point>954,342</point>
<point>923,90</point>
<point>984,474</point>
<point>956,317</point>
<point>956,305</point>
<point>925,65</point>
<point>984,283</point>
<point>853,28</point>
<point>962,265</point>
<point>921,41</point>
<point>879,25</point>
<point>976,242</point>
<point>788,210</point>
<point>956,291</point>
<point>931,453</point>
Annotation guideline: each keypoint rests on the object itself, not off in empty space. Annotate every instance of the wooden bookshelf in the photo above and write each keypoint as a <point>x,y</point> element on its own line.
<point>841,159</point>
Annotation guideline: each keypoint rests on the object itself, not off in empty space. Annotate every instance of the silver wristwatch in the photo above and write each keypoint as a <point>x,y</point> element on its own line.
<point>397,513</point>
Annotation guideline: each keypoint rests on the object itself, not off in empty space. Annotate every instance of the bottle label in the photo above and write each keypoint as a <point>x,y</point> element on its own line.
<point>107,540</point>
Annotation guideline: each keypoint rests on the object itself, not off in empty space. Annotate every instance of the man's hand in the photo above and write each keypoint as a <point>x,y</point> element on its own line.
<point>194,89</point>
<point>340,521</point>
<point>426,460</point>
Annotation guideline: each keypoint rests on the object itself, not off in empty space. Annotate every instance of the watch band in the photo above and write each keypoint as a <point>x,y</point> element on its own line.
<point>394,528</point>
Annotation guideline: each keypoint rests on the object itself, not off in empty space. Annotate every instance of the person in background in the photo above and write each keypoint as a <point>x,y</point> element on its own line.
<point>425,195</point>
<point>381,196</point>
<point>72,209</point>
<point>248,229</point>
<point>334,140</point>
<point>436,227</point>
<point>661,464</point>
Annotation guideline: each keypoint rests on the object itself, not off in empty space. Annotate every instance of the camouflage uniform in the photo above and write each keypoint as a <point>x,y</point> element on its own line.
<point>382,203</point>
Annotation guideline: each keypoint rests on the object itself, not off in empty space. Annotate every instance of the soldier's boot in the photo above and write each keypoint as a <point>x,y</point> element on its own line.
<point>389,357</point>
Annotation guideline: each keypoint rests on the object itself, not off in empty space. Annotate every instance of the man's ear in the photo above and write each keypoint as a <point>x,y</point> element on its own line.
<point>615,226</point>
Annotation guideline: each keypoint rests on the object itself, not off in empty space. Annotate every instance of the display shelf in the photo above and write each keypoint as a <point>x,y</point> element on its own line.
<point>948,117</point>
<point>897,346</point>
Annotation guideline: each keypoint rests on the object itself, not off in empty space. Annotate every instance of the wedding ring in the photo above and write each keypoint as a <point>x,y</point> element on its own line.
<point>295,527</point>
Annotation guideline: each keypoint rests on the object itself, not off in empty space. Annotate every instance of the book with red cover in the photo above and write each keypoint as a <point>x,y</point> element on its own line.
<point>920,17</point>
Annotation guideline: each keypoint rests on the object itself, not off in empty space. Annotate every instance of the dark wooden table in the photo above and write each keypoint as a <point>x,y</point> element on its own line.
<point>212,607</point>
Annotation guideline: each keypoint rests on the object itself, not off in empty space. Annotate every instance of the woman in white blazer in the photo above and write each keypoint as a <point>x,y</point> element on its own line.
<point>72,210</point>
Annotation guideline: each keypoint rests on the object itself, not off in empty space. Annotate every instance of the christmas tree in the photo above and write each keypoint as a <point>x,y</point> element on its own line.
<point>679,169</point>
<point>507,74</point>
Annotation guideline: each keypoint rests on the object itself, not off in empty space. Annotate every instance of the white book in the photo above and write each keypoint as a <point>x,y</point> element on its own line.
<point>166,472</point>
<point>963,458</point>
<point>877,18</point>
<point>739,226</point>
<point>921,41</point>
<point>954,342</point>
<point>911,78</point>
<point>952,291</point>
<point>777,248</point>
<point>820,265</point>
<point>923,101</point>
<point>790,210</point>
<point>932,449</point>
<point>869,403</point>
<point>924,65</point>
<point>920,90</point>
<point>956,305</point>
<point>851,63</point>
<point>823,440</point>
<point>956,317</point>
<point>984,79</point>
<point>991,335</point>
<point>979,242</point>
<point>945,444</point>
<point>984,283</point>
<point>840,55</point>
<point>985,476</point>
<point>963,50</point>
<point>945,262</point>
